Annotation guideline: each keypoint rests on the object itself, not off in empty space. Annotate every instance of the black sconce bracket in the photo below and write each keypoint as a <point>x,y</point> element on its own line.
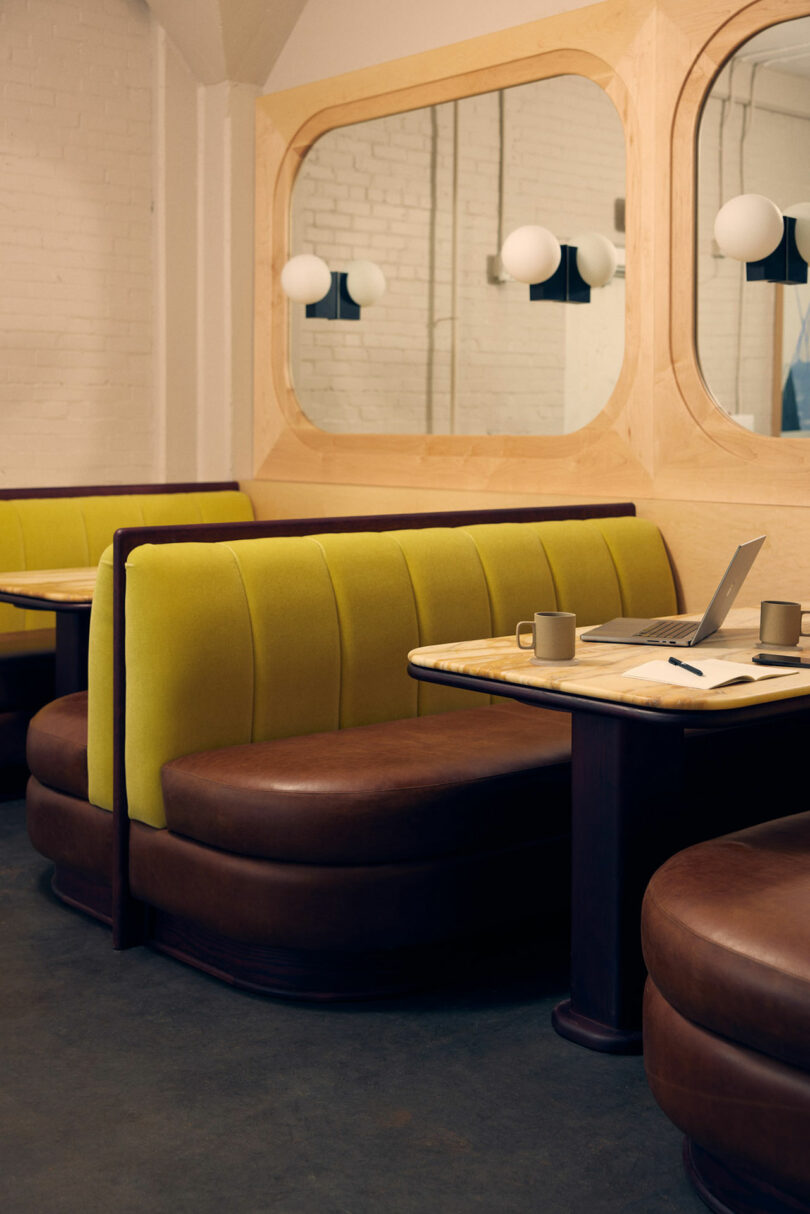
<point>566,284</point>
<point>337,303</point>
<point>785,264</point>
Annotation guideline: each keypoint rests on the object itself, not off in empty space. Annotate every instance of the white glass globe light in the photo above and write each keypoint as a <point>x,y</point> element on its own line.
<point>596,258</point>
<point>748,227</point>
<point>365,282</point>
<point>306,278</point>
<point>800,211</point>
<point>531,254</point>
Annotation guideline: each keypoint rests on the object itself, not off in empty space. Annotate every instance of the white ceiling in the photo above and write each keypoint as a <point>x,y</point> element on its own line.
<point>240,40</point>
<point>236,40</point>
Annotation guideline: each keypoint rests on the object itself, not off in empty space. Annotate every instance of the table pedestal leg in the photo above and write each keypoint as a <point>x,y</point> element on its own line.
<point>627,779</point>
<point>72,641</point>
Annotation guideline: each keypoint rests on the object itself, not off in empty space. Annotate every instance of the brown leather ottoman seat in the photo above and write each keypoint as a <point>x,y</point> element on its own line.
<point>726,935</point>
<point>62,824</point>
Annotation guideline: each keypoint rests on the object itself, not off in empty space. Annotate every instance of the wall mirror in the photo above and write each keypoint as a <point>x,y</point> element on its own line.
<point>753,337</point>
<point>454,345</point>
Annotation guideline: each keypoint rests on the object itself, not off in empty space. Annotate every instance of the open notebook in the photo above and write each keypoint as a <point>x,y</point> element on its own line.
<point>716,673</point>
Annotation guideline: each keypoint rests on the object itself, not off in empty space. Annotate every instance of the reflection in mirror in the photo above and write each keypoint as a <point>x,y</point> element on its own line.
<point>455,346</point>
<point>753,337</point>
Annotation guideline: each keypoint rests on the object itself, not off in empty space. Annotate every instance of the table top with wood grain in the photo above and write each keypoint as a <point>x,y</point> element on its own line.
<point>598,669</point>
<point>54,586</point>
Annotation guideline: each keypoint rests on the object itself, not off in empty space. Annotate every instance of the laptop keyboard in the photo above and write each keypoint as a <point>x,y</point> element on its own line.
<point>675,629</point>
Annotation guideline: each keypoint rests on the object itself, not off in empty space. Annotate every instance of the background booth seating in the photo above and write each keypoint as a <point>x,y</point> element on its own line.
<point>67,528</point>
<point>726,934</point>
<point>301,815</point>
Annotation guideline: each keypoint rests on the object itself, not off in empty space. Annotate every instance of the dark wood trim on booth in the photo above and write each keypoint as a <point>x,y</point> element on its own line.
<point>132,537</point>
<point>112,490</point>
<point>317,975</point>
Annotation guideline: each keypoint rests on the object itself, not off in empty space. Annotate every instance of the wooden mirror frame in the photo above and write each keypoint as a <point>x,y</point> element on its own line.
<point>776,468</point>
<point>288,446</point>
<point>661,436</point>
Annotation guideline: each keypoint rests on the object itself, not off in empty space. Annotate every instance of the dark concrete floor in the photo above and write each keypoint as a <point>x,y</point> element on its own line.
<point>133,1084</point>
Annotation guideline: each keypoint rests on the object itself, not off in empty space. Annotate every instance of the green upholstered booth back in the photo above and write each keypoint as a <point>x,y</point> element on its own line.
<point>72,532</point>
<point>249,640</point>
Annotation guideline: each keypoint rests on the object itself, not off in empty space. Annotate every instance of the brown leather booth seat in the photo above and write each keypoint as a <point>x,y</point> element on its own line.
<point>326,864</point>
<point>57,745</point>
<point>379,794</point>
<point>726,935</point>
<point>62,824</point>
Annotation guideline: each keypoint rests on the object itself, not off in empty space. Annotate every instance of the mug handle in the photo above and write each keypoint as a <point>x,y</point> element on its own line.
<point>530,624</point>
<point>802,633</point>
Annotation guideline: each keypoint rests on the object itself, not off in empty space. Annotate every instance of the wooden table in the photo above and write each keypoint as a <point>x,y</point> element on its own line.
<point>68,593</point>
<point>627,767</point>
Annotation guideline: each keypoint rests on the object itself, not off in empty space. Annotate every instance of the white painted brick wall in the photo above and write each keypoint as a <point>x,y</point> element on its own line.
<point>365,192</point>
<point>771,156</point>
<point>75,242</point>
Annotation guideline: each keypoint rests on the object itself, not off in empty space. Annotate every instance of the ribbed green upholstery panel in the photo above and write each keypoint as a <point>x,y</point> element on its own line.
<point>100,687</point>
<point>517,571</point>
<point>585,579</point>
<point>378,625</point>
<point>452,602</point>
<point>189,661</point>
<point>53,537</point>
<point>256,639</point>
<point>104,515</point>
<point>72,532</point>
<point>295,636</point>
<point>12,556</point>
<point>642,566</point>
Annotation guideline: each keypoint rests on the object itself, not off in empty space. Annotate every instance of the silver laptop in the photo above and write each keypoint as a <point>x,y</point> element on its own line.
<point>628,631</point>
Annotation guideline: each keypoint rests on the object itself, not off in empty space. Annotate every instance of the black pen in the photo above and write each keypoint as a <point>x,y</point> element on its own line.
<point>686,666</point>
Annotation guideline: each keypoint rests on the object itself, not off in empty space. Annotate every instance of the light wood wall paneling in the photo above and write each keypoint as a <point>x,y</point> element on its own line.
<point>661,439</point>
<point>702,453</point>
<point>288,447</point>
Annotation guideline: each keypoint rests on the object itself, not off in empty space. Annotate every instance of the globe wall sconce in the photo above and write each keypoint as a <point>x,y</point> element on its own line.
<point>775,245</point>
<point>566,273</point>
<point>330,294</point>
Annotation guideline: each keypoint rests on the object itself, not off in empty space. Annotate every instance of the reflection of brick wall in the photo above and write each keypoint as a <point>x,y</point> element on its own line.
<point>767,153</point>
<point>367,191</point>
<point>75,242</point>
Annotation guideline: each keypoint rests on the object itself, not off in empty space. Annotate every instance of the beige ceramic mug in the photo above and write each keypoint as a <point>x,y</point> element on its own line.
<point>553,635</point>
<point>781,623</point>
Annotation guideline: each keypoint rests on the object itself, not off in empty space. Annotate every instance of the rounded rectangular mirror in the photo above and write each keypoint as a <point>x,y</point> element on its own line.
<point>753,331</point>
<point>455,345</point>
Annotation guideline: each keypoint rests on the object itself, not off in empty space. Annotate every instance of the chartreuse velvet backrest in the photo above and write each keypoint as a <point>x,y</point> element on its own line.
<point>249,640</point>
<point>72,532</point>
